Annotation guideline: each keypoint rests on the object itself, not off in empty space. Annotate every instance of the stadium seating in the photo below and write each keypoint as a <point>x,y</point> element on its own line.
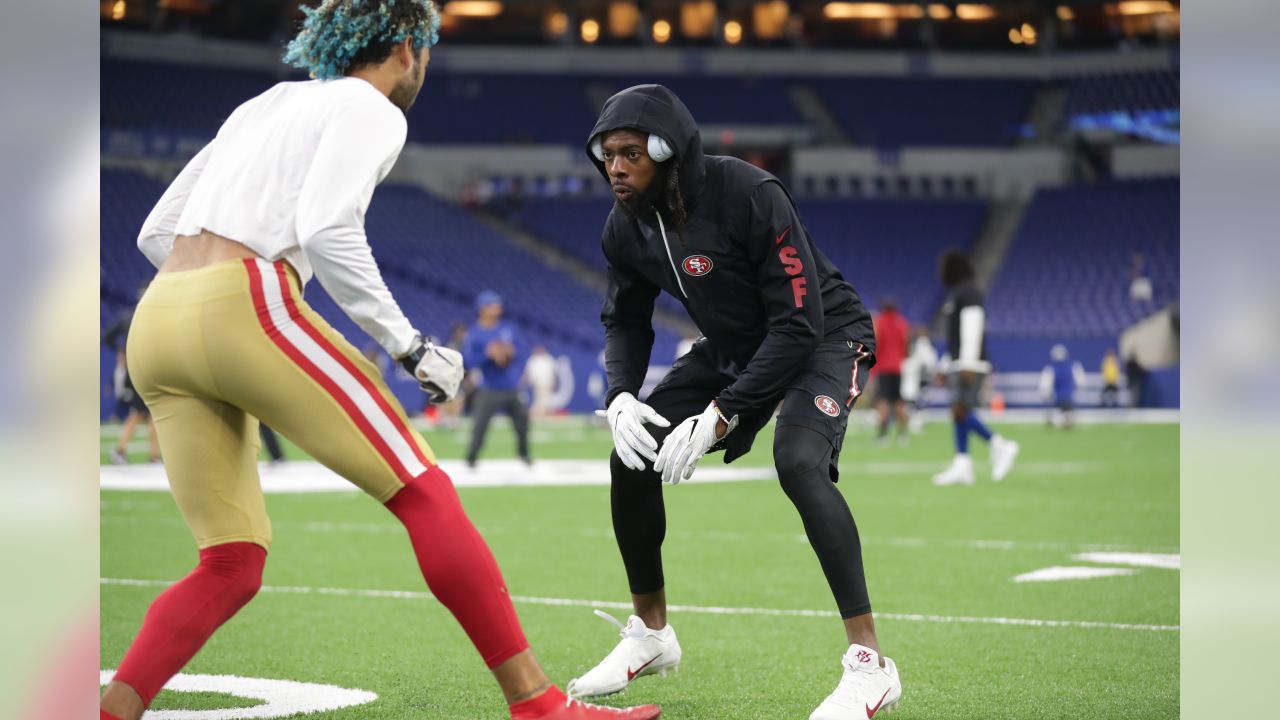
<point>893,112</point>
<point>878,244</point>
<point>435,258</point>
<point>127,197</point>
<point>1123,92</point>
<point>476,108</point>
<point>889,247</point>
<point>558,109</point>
<point>178,99</point>
<point>722,100</point>
<point>1067,274</point>
<point>453,107</point>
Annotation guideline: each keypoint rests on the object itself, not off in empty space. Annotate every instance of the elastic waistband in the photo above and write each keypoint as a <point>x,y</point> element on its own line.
<point>229,277</point>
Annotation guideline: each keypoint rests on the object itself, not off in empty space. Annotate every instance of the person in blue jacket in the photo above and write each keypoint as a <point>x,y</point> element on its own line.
<point>493,347</point>
<point>1058,384</point>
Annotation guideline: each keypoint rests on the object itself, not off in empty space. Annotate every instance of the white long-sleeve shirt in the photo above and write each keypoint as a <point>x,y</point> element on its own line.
<point>917,366</point>
<point>290,175</point>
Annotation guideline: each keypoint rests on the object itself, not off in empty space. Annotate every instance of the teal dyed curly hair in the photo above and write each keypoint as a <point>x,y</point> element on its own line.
<point>340,35</point>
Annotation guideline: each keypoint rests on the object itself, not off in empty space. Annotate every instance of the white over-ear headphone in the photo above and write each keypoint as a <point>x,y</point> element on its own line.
<point>659,150</point>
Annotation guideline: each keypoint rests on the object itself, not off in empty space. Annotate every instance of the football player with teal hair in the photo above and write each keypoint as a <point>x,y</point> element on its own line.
<point>341,34</point>
<point>224,339</point>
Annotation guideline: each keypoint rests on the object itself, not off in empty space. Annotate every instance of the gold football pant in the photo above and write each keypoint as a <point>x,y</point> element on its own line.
<point>214,350</point>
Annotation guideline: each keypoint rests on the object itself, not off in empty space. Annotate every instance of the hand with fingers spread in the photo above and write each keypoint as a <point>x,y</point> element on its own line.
<point>691,439</point>
<point>633,443</point>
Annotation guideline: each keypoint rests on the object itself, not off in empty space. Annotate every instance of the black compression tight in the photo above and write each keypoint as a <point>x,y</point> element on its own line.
<point>802,457</point>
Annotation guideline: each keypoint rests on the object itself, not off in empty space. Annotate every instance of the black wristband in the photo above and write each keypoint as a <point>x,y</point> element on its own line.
<point>417,351</point>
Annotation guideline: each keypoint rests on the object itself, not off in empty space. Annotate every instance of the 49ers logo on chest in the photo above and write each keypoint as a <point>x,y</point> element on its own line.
<point>697,265</point>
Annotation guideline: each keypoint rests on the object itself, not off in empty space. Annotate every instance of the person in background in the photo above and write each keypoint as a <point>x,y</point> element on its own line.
<point>119,394</point>
<point>1058,384</point>
<point>966,367</point>
<point>450,413</point>
<point>272,443</point>
<point>1140,289</point>
<point>916,371</point>
<point>893,334</point>
<point>540,374</point>
<point>492,347</point>
<point>1110,379</point>
<point>115,337</point>
<point>1136,375</point>
<point>375,355</point>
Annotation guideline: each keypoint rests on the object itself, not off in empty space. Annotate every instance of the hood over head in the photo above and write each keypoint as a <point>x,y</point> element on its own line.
<point>656,110</point>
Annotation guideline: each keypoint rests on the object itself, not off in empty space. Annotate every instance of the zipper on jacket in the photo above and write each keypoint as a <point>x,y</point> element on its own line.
<point>663,229</point>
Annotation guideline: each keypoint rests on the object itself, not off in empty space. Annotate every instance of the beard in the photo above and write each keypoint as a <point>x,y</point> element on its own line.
<point>406,90</point>
<point>642,199</point>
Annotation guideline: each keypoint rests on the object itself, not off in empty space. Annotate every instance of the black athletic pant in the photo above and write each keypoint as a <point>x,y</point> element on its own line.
<point>488,402</point>
<point>1111,396</point>
<point>804,455</point>
<point>272,442</point>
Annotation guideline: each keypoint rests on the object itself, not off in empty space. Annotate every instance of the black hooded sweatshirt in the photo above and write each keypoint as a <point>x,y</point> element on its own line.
<point>743,265</point>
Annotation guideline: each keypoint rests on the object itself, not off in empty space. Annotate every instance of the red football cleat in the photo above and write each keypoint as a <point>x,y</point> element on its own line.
<point>578,710</point>
<point>555,705</point>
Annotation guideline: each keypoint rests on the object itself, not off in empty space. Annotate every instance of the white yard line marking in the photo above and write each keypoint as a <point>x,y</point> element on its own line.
<point>312,477</point>
<point>1058,572</point>
<point>1133,559</point>
<point>925,469</point>
<point>700,609</point>
<point>280,698</point>
<point>1163,561</point>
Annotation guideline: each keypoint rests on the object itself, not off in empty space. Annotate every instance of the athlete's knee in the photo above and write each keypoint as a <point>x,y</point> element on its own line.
<point>430,496</point>
<point>623,475</point>
<point>797,451</point>
<point>239,566</point>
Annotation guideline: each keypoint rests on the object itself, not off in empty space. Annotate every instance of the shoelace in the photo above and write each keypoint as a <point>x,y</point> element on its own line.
<point>622,631</point>
<point>622,627</point>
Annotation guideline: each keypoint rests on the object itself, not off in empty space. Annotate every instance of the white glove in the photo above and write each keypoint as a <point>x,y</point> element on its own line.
<point>438,370</point>
<point>627,417</point>
<point>686,445</point>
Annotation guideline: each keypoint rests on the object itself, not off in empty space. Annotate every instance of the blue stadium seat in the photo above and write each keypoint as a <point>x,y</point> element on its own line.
<point>435,258</point>
<point>889,247</point>
<point>1067,273</point>
<point>885,247</point>
<point>453,107</point>
<point>720,100</point>
<point>893,112</point>
<point>1123,92</point>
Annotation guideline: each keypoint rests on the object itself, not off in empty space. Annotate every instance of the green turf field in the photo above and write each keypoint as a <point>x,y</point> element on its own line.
<point>940,564</point>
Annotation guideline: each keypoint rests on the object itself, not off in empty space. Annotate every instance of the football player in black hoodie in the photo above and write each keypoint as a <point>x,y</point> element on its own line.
<point>779,324</point>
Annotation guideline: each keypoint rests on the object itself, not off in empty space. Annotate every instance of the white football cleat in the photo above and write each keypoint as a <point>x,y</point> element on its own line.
<point>1003,453</point>
<point>864,690</point>
<point>959,472</point>
<point>641,652</point>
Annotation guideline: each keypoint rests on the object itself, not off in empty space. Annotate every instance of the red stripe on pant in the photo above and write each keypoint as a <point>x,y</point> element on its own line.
<point>318,375</point>
<point>458,566</point>
<point>854,390</point>
<point>405,431</point>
